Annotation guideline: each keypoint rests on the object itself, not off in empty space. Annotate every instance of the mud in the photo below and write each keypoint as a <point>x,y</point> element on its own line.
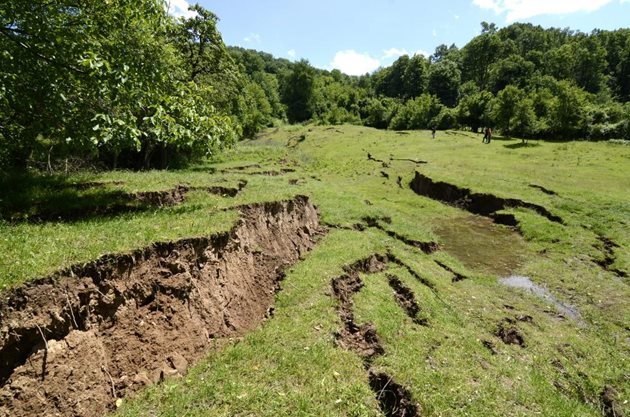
<point>394,399</point>
<point>610,401</point>
<point>406,299</point>
<point>482,204</point>
<point>223,191</point>
<point>608,249</point>
<point>73,343</point>
<point>456,275</point>
<point>543,189</point>
<point>361,339</point>
<point>510,334</point>
<point>161,199</point>
<point>481,245</point>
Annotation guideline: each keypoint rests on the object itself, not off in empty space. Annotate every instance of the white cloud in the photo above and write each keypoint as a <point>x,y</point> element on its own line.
<point>291,53</point>
<point>394,53</point>
<point>179,8</point>
<point>524,9</point>
<point>252,38</point>
<point>434,33</point>
<point>352,62</point>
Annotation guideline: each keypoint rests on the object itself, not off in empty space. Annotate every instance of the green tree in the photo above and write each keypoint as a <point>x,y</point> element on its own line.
<point>99,77</point>
<point>415,77</point>
<point>297,93</point>
<point>505,108</point>
<point>444,81</point>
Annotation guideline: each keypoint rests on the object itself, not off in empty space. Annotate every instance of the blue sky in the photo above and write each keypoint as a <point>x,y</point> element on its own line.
<point>358,36</point>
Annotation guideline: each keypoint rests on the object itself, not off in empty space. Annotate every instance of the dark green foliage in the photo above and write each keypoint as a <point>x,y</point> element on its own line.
<point>297,92</point>
<point>122,83</point>
<point>444,81</point>
<point>104,79</point>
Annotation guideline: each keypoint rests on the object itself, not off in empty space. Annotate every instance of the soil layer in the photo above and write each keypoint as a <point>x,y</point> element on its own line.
<point>73,343</point>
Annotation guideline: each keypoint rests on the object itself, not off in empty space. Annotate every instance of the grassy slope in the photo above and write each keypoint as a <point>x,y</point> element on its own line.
<point>290,366</point>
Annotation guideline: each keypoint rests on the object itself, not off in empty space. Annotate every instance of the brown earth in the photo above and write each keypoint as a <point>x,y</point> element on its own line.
<point>406,299</point>
<point>73,343</point>
<point>394,399</point>
<point>477,203</point>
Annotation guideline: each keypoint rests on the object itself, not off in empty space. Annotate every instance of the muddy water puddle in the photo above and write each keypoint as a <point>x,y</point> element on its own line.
<point>525,283</point>
<point>482,245</point>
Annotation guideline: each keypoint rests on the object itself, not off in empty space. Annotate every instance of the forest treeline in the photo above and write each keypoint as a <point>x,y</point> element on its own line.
<point>124,84</point>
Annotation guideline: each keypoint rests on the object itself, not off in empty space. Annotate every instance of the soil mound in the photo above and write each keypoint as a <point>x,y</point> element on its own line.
<point>73,343</point>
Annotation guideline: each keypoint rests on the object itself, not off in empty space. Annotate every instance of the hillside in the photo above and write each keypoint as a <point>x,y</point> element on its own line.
<point>324,270</point>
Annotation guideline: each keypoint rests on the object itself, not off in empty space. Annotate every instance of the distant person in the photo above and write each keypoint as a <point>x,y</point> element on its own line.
<point>487,135</point>
<point>433,133</point>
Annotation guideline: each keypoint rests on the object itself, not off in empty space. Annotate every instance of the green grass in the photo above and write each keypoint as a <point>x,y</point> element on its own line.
<point>290,365</point>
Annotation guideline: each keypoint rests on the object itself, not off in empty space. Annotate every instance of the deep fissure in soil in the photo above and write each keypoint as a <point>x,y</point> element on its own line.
<point>456,275</point>
<point>477,203</point>
<point>394,399</point>
<point>608,249</point>
<point>74,342</point>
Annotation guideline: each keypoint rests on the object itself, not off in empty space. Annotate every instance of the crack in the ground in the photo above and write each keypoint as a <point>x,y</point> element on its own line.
<point>126,202</point>
<point>543,189</point>
<point>608,249</point>
<point>477,203</point>
<point>74,342</point>
<point>406,299</point>
<point>373,222</point>
<point>394,399</point>
<point>456,275</point>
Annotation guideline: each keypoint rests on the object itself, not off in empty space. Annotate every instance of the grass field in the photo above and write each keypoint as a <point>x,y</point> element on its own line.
<point>458,363</point>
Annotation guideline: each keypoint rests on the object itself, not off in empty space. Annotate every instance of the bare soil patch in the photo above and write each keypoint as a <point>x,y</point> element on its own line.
<point>72,343</point>
<point>393,398</point>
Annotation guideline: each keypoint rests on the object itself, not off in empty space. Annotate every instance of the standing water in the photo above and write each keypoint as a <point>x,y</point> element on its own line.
<point>482,245</point>
<point>526,283</point>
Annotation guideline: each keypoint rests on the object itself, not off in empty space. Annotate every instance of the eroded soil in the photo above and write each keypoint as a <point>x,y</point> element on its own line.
<point>394,399</point>
<point>73,343</point>
<point>483,204</point>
